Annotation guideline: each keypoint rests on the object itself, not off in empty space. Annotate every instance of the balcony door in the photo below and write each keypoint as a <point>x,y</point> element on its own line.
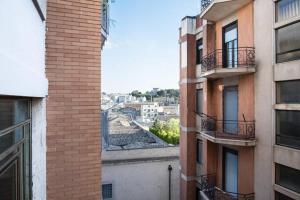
<point>230,110</point>
<point>230,170</point>
<point>230,45</point>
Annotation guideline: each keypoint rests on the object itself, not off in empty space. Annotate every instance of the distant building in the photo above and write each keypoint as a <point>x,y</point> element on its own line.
<point>171,110</point>
<point>149,112</point>
<point>135,162</point>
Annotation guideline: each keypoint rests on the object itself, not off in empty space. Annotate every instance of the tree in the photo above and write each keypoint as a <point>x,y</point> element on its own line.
<point>168,131</point>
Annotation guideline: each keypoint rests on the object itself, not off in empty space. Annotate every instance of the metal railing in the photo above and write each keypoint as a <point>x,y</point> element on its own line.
<point>208,187</point>
<point>229,58</point>
<point>205,4</point>
<point>228,129</point>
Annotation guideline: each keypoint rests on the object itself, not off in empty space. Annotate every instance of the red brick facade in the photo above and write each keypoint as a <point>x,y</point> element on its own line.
<point>73,47</point>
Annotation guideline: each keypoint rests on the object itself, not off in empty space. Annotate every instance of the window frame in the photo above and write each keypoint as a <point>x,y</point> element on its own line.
<point>286,52</point>
<point>197,100</point>
<point>198,57</point>
<point>277,131</point>
<point>112,191</point>
<point>16,153</point>
<point>278,91</point>
<point>199,155</point>
<point>277,176</point>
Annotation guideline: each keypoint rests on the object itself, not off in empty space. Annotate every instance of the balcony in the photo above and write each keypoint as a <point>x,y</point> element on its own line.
<point>210,191</point>
<point>238,133</point>
<point>232,62</point>
<point>215,10</point>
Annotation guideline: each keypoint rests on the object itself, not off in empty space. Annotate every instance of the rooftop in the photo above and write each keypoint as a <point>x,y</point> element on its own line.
<point>124,133</point>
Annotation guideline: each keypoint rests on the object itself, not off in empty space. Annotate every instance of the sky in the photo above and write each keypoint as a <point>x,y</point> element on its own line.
<point>142,50</point>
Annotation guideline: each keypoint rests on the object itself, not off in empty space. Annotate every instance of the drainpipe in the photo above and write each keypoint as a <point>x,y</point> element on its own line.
<point>170,170</point>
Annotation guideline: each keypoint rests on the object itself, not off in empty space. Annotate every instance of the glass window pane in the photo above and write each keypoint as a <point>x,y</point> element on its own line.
<point>13,112</point>
<point>199,51</point>
<point>199,151</point>
<point>26,162</point>
<point>288,128</point>
<point>8,183</point>
<point>287,177</point>
<point>107,191</point>
<point>286,9</point>
<point>279,196</point>
<point>10,139</point>
<point>288,92</point>
<point>231,33</point>
<point>199,103</point>
<point>288,43</point>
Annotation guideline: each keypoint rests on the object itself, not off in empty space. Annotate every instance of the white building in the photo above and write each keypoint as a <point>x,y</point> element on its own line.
<point>141,174</point>
<point>23,88</point>
<point>149,112</point>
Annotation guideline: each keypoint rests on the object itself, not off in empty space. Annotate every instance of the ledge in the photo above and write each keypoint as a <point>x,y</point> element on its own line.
<point>234,142</point>
<point>219,9</point>
<point>227,72</point>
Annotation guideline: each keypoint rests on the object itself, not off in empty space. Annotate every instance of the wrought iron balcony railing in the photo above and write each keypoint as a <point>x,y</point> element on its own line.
<point>208,187</point>
<point>228,129</point>
<point>205,4</point>
<point>230,58</point>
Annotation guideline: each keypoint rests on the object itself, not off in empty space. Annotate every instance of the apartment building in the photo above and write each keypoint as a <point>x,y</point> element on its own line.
<point>149,111</point>
<point>238,87</point>
<point>277,81</point>
<point>49,99</point>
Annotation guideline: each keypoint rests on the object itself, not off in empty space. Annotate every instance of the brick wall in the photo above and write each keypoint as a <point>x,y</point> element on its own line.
<point>73,105</point>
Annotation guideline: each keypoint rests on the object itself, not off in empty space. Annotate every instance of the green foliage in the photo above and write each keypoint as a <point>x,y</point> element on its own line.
<point>168,131</point>
<point>160,93</point>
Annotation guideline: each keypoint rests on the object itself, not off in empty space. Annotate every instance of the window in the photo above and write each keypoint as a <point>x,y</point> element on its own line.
<point>199,101</point>
<point>15,158</point>
<point>286,9</point>
<point>288,92</point>
<point>199,151</point>
<point>287,177</point>
<point>288,43</point>
<point>279,196</point>
<point>288,128</point>
<point>230,45</point>
<point>107,191</point>
<point>199,51</point>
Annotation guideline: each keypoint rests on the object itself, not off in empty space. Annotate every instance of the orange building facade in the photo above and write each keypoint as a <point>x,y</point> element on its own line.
<point>217,66</point>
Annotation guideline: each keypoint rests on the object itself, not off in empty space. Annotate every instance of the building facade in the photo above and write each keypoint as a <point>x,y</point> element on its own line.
<point>238,80</point>
<point>49,99</point>
<point>23,91</point>
<point>74,39</point>
<point>149,112</point>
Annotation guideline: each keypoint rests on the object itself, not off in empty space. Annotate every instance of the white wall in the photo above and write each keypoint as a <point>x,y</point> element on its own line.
<point>22,50</point>
<point>39,149</point>
<point>22,73</point>
<point>142,180</point>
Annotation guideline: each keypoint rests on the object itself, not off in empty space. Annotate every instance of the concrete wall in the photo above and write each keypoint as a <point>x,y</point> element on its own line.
<point>268,72</point>
<point>263,40</point>
<point>22,50</point>
<point>142,174</point>
<point>39,149</point>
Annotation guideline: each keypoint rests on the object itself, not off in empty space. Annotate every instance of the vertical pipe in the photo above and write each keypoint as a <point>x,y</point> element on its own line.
<point>170,170</point>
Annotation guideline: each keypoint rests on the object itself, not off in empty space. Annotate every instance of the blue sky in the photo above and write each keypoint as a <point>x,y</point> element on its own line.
<point>142,50</point>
